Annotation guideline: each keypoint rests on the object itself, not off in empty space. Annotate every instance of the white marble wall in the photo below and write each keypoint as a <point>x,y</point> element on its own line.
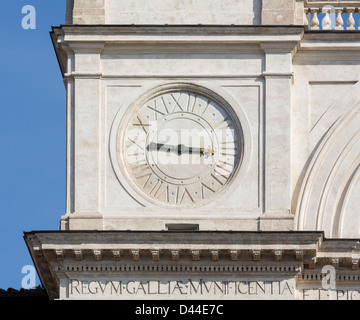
<point>238,12</point>
<point>296,95</point>
<point>326,153</point>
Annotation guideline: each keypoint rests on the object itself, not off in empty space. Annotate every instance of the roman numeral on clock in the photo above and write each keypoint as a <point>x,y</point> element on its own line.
<point>166,182</point>
<point>155,110</point>
<point>206,191</point>
<point>141,171</point>
<point>162,193</point>
<point>136,143</point>
<point>141,124</point>
<point>186,196</point>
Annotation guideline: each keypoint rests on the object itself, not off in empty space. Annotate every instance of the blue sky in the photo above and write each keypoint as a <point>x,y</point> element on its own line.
<point>32,132</point>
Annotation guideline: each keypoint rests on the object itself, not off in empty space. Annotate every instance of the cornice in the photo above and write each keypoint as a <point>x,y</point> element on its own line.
<point>202,252</point>
<point>121,28</point>
<point>198,35</point>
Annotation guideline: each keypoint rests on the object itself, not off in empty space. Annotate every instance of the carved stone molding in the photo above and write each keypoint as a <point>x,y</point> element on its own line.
<point>175,255</point>
<point>169,268</point>
<point>97,255</point>
<point>59,254</point>
<point>78,254</point>
<point>234,255</point>
<point>256,255</point>
<point>335,262</point>
<point>116,255</point>
<point>244,254</point>
<point>144,254</point>
<point>195,255</point>
<point>299,255</point>
<point>278,255</point>
<point>355,264</point>
<point>215,255</point>
<point>325,176</point>
<point>135,255</point>
<point>155,255</point>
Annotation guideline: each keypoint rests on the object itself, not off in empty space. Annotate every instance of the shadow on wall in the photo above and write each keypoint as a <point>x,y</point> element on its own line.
<point>257,9</point>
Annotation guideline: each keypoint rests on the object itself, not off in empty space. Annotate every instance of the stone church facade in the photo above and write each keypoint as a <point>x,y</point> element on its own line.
<point>273,214</point>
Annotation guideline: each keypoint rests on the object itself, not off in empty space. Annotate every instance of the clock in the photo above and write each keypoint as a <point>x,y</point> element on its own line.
<point>179,148</point>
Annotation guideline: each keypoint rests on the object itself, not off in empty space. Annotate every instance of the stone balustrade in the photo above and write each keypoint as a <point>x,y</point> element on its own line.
<point>332,15</point>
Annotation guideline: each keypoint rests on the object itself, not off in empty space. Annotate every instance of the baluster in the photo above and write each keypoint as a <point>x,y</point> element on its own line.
<point>339,22</point>
<point>326,23</point>
<point>351,20</point>
<point>306,21</point>
<point>315,20</point>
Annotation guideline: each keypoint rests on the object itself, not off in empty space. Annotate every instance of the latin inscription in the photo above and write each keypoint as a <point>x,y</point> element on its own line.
<point>180,288</point>
<point>336,294</point>
<point>206,289</point>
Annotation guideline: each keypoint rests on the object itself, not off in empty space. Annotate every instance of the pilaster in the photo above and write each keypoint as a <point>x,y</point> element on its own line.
<point>282,12</point>
<point>277,136</point>
<point>84,127</point>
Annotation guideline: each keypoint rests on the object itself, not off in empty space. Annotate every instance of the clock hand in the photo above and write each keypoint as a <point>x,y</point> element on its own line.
<point>158,146</point>
<point>180,149</point>
<point>207,152</point>
<point>202,151</point>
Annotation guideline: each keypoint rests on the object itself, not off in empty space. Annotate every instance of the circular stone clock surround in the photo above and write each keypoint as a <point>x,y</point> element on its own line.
<point>178,146</point>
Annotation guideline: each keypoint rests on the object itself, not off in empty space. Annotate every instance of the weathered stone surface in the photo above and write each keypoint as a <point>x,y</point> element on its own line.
<point>244,12</point>
<point>270,228</point>
<point>288,265</point>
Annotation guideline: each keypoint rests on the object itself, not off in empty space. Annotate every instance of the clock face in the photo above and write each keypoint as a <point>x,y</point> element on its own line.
<point>180,149</point>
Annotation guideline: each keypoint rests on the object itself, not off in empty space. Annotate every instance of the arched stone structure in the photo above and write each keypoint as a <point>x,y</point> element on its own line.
<point>329,198</point>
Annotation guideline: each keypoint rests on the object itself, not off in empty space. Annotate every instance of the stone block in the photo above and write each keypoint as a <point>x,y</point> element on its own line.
<point>278,17</point>
<point>278,4</point>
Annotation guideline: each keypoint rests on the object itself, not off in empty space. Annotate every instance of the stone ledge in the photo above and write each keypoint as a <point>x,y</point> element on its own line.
<point>58,254</point>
